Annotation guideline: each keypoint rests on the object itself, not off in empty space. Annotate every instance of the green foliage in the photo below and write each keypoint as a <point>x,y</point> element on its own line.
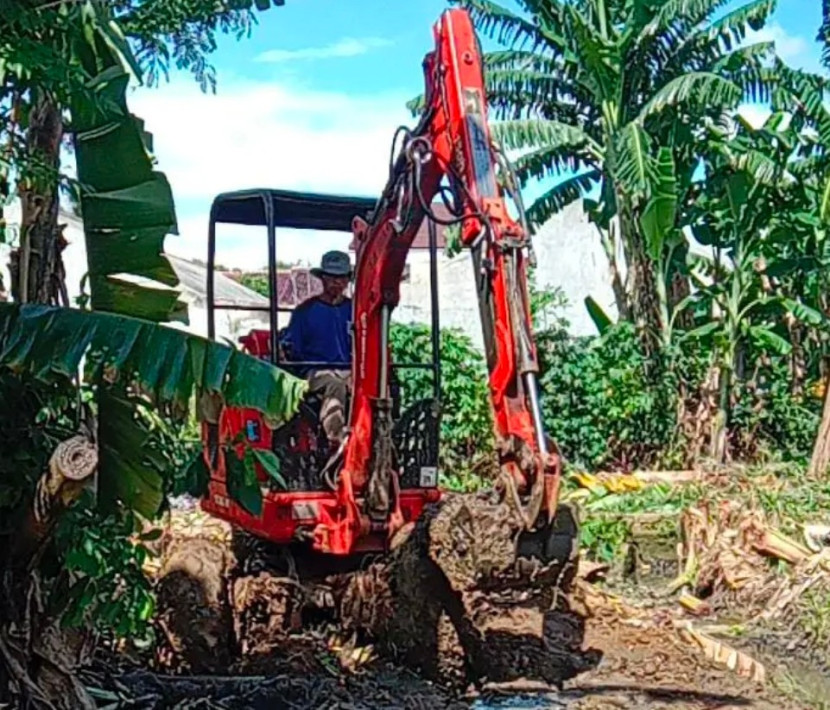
<point>101,577</point>
<point>608,516</point>
<point>600,404</point>
<point>166,365</point>
<point>768,420</point>
<point>91,569</point>
<point>34,418</point>
<point>466,423</point>
<point>256,282</point>
<point>135,365</point>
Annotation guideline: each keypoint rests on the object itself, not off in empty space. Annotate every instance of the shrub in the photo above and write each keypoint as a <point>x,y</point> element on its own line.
<point>768,420</point>
<point>600,404</point>
<point>91,569</point>
<point>466,452</point>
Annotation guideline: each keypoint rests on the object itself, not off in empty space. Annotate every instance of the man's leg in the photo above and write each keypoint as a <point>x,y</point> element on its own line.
<point>333,387</point>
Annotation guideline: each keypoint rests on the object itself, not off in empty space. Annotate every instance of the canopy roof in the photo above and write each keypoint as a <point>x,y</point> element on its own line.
<point>308,210</point>
<point>298,210</point>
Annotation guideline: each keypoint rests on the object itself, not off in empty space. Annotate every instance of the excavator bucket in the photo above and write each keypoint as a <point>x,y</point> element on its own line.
<point>551,544</point>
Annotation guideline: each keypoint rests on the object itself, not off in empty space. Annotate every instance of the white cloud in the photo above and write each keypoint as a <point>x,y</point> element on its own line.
<point>791,48</point>
<point>265,135</point>
<point>346,47</point>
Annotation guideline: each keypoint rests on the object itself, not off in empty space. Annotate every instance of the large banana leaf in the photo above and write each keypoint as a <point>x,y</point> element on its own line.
<point>164,365</point>
<point>127,207</point>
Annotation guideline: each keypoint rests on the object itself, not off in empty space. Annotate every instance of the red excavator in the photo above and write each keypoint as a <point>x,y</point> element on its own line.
<point>447,172</point>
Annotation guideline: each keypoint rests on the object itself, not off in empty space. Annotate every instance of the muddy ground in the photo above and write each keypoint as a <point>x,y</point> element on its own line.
<point>610,644</point>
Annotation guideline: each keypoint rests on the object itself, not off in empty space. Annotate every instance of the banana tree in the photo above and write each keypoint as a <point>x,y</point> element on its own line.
<point>751,213</point>
<point>804,96</point>
<point>50,56</point>
<point>126,367</point>
<point>590,91</point>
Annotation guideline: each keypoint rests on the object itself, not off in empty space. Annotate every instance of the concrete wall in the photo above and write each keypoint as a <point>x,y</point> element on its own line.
<point>569,256</point>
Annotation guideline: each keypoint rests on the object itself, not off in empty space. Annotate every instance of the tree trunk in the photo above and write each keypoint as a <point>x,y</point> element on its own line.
<point>821,448</point>
<point>680,289</point>
<point>798,358</point>
<point>40,657</point>
<point>609,242</point>
<point>643,295</point>
<point>37,267</point>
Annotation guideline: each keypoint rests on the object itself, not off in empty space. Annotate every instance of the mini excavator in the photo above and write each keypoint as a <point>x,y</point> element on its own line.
<point>387,468</point>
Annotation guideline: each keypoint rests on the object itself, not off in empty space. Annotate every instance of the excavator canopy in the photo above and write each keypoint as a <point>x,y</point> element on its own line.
<point>284,208</point>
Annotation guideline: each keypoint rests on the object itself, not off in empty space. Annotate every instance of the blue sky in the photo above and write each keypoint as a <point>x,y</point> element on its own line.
<point>311,101</point>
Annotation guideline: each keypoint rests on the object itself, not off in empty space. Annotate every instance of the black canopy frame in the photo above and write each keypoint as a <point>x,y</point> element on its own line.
<point>269,208</point>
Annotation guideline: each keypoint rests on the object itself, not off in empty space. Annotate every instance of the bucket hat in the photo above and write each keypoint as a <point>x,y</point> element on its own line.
<point>333,263</point>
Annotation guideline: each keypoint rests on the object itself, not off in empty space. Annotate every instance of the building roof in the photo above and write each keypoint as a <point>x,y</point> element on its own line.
<point>193,278</point>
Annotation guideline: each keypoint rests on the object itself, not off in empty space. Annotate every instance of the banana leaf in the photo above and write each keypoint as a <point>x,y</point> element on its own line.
<point>158,364</point>
<point>167,364</point>
<point>127,207</point>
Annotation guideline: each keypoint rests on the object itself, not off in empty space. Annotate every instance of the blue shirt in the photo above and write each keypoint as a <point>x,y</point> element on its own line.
<point>320,332</point>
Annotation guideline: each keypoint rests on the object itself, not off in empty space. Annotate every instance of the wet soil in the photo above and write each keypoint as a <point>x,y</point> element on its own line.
<point>444,622</point>
<point>646,665</point>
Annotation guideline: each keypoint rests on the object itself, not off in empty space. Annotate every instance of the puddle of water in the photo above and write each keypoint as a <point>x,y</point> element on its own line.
<point>519,702</point>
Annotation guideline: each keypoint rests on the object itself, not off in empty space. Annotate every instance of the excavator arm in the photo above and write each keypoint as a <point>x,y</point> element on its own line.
<point>449,153</point>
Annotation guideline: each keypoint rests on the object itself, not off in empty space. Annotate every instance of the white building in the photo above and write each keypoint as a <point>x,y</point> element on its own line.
<point>568,256</point>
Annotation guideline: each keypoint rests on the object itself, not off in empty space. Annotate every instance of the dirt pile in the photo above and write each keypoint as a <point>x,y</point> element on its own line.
<point>450,601</point>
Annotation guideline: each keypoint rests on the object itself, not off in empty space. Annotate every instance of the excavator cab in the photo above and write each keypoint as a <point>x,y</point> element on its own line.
<point>301,447</point>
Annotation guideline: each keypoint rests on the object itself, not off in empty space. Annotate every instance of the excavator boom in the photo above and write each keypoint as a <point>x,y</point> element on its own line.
<point>449,154</point>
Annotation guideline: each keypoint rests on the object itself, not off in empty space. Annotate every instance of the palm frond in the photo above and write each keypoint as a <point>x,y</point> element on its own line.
<point>561,195</point>
<point>550,162</point>
<point>804,93</point>
<point>632,163</point>
<point>519,59</point>
<point>507,28</point>
<point>599,58</point>
<point>417,105</point>
<point>701,88</point>
<point>685,13</point>
<point>513,94</point>
<point>731,29</point>
<point>522,134</point>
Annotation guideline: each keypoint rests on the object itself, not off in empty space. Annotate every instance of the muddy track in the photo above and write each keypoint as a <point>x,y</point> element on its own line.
<point>441,618</point>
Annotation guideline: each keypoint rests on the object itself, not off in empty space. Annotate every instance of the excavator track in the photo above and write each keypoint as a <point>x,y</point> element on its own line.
<point>441,601</point>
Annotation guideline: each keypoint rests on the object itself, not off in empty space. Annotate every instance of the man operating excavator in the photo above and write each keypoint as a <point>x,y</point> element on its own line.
<point>319,333</point>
